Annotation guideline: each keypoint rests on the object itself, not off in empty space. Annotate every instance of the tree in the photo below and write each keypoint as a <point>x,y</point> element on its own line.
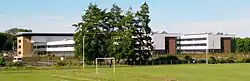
<point>126,42</point>
<point>2,61</point>
<point>111,33</point>
<point>14,31</point>
<point>247,45</point>
<point>242,45</point>
<point>91,28</point>
<point>4,44</point>
<point>143,39</point>
<point>11,33</point>
<point>239,45</point>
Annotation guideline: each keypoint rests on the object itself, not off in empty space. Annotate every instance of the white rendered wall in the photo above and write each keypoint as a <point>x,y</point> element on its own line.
<point>214,42</point>
<point>159,41</point>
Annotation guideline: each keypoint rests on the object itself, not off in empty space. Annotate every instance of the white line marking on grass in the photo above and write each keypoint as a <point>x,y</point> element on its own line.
<point>76,78</point>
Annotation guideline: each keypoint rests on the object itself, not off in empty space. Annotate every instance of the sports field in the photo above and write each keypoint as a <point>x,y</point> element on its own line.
<point>189,72</point>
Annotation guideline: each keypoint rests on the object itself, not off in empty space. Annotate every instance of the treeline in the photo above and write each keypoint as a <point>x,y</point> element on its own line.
<point>8,39</point>
<point>114,33</point>
<point>242,45</point>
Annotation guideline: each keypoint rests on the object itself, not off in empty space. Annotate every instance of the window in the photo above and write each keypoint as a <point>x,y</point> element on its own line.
<point>19,52</point>
<point>19,41</point>
<point>65,45</point>
<point>19,46</point>
<point>19,58</point>
<point>202,44</point>
<point>192,39</point>
<point>193,51</point>
<point>40,46</point>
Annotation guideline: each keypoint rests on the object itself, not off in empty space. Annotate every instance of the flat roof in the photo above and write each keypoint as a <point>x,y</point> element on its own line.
<point>44,34</point>
<point>169,34</point>
<point>211,33</point>
<point>197,34</point>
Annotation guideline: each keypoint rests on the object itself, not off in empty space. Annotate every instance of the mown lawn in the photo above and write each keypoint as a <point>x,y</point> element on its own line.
<point>187,72</point>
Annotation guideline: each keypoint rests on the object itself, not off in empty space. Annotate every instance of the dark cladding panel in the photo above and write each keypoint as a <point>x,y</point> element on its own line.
<point>226,45</point>
<point>170,45</point>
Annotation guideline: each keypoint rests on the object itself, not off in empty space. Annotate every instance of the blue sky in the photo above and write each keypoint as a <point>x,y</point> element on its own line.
<point>183,16</point>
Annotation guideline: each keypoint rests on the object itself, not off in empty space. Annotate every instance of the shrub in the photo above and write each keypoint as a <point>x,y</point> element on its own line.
<point>222,60</point>
<point>246,60</point>
<point>61,63</point>
<point>188,59</point>
<point>201,60</point>
<point>30,67</point>
<point>2,62</point>
<point>15,64</point>
<point>170,59</point>
<point>238,61</point>
<point>212,60</point>
<point>230,60</point>
<point>89,63</point>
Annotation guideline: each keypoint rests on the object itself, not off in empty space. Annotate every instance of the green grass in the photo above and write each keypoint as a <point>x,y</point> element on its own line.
<point>196,72</point>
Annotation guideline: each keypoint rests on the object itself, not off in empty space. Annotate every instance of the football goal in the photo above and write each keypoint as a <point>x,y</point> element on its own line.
<point>110,61</point>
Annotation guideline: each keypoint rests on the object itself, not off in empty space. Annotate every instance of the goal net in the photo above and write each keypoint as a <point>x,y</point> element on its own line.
<point>105,62</point>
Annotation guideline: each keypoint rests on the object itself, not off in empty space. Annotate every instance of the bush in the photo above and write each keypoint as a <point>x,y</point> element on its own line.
<point>30,67</point>
<point>2,62</point>
<point>222,60</point>
<point>188,59</point>
<point>201,60</point>
<point>61,63</point>
<point>170,59</point>
<point>15,64</point>
<point>230,60</point>
<point>89,63</point>
<point>238,61</point>
<point>212,60</point>
<point>246,60</point>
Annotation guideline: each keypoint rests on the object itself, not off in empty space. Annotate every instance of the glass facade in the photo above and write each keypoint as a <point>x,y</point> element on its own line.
<point>192,39</point>
<point>53,46</point>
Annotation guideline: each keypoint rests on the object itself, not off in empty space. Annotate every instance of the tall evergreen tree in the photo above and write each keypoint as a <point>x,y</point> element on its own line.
<point>143,39</point>
<point>91,28</point>
<point>113,34</point>
<point>128,43</point>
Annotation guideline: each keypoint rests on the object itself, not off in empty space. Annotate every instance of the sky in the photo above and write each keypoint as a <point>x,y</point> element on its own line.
<point>173,16</point>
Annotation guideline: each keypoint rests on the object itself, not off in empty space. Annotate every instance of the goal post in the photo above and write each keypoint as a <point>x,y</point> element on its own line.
<point>112,62</point>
